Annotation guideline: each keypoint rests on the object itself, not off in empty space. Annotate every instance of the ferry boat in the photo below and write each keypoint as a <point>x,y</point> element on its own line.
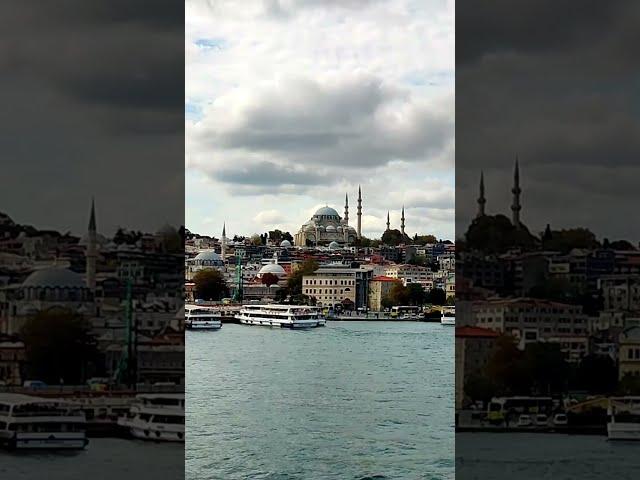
<point>283,316</point>
<point>157,417</point>
<point>198,317</point>
<point>28,422</point>
<point>448,316</point>
<point>623,418</point>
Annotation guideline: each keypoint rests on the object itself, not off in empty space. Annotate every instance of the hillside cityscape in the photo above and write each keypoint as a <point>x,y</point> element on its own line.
<point>549,318</point>
<point>327,263</point>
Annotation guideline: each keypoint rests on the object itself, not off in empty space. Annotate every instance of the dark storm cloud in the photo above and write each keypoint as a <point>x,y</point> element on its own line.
<point>92,98</point>
<point>556,84</point>
<point>268,174</point>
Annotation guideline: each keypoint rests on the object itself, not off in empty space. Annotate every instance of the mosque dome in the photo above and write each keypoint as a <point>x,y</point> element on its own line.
<point>334,246</point>
<point>207,255</point>
<point>338,228</point>
<point>330,228</point>
<point>326,211</point>
<point>54,277</point>
<point>285,243</point>
<point>273,268</point>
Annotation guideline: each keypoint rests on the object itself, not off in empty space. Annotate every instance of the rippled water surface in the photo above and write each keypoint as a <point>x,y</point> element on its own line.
<point>535,456</point>
<point>352,400</point>
<point>103,459</point>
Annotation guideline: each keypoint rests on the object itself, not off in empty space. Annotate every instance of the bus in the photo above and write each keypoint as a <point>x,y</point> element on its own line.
<point>407,311</point>
<point>499,407</point>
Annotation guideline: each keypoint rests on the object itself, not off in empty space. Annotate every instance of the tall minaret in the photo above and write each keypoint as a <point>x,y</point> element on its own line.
<point>359,213</point>
<point>388,222</point>
<point>515,208</point>
<point>91,252</point>
<point>481,200</point>
<point>402,222</point>
<point>223,248</point>
<point>346,209</point>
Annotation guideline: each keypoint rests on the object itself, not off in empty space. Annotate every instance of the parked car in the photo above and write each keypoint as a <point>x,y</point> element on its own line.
<point>34,384</point>
<point>560,419</point>
<point>524,421</point>
<point>542,420</point>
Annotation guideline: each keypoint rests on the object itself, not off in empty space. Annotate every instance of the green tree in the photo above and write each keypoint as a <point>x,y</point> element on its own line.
<point>437,296</point>
<point>566,240</point>
<point>420,260</point>
<point>210,284</point>
<point>394,238</point>
<point>256,240</point>
<point>479,387</point>
<point>496,234</point>
<point>416,294</point>
<point>294,282</point>
<point>59,345</point>
<point>597,374</point>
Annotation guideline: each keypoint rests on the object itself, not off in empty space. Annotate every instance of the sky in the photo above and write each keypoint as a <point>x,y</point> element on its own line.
<point>554,82</point>
<point>291,104</point>
<point>92,106</point>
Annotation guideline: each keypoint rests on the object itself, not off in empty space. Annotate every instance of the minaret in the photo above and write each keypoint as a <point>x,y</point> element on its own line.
<point>402,222</point>
<point>481,200</point>
<point>91,252</point>
<point>359,213</point>
<point>515,207</point>
<point>223,249</point>
<point>388,222</point>
<point>346,209</point>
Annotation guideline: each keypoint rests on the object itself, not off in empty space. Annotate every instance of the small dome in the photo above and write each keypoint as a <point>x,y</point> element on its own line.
<point>285,243</point>
<point>327,211</point>
<point>339,228</point>
<point>334,246</point>
<point>272,268</point>
<point>208,255</point>
<point>330,228</point>
<point>54,277</point>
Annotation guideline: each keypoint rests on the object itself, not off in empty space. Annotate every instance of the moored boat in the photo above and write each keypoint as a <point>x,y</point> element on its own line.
<point>28,422</point>
<point>282,316</point>
<point>156,416</point>
<point>623,418</point>
<point>448,316</point>
<point>198,317</point>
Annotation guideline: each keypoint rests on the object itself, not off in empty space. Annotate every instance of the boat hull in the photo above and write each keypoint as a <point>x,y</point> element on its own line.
<point>277,324</point>
<point>623,431</point>
<point>50,441</point>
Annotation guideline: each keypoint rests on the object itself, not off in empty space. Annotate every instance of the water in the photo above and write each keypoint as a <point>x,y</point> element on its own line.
<point>538,456</point>
<point>352,400</point>
<point>103,459</point>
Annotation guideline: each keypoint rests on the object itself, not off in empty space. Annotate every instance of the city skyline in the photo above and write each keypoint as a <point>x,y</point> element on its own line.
<point>319,113</point>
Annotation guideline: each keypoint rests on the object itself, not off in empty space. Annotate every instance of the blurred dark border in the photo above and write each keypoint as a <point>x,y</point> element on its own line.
<point>548,258</point>
<point>91,238</point>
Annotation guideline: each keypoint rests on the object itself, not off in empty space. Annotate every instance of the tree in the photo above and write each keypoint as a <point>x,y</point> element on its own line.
<point>210,285</point>
<point>394,237</point>
<point>597,374</point>
<point>59,345</point>
<point>269,279</point>
<point>566,240</point>
<point>496,234</point>
<point>294,282</point>
<point>420,260</point>
<point>416,294</point>
<point>437,296</point>
<point>546,368</point>
<point>479,387</point>
<point>256,240</point>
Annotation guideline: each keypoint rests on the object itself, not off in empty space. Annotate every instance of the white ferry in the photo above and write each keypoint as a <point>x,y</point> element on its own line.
<point>448,316</point>
<point>198,317</point>
<point>623,418</point>
<point>28,422</point>
<point>284,316</point>
<point>156,416</point>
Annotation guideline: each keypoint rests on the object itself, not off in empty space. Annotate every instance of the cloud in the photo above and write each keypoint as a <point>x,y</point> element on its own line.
<point>269,217</point>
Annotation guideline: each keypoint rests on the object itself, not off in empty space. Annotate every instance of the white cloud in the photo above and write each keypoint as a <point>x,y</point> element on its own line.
<point>298,108</point>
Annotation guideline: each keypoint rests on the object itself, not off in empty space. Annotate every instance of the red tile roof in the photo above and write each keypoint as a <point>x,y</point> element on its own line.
<point>477,332</point>
<point>383,278</point>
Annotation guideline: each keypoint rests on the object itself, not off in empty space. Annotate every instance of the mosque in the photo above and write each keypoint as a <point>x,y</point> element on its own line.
<point>326,227</point>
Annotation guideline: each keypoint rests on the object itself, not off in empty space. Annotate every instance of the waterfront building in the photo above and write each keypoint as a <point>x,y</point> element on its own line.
<point>379,287</point>
<point>474,347</point>
<point>530,320</point>
<point>629,353</point>
<point>331,287</point>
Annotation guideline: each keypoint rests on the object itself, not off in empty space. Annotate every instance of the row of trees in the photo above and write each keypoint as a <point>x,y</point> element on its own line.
<point>541,369</point>
<point>413,294</point>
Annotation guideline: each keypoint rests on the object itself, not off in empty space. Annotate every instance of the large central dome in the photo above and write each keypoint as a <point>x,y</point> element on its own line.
<point>327,211</point>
